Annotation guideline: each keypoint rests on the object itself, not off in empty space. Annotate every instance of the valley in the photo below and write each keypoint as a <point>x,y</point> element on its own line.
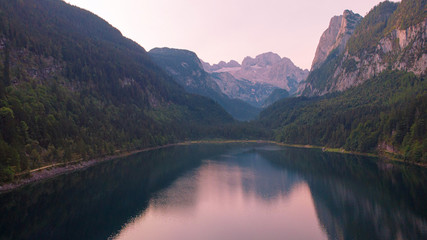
<point>101,138</point>
<point>73,88</point>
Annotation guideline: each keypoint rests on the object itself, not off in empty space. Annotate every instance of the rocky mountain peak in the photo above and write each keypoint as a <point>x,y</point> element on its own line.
<point>264,73</point>
<point>335,36</point>
<point>348,24</point>
<point>221,65</point>
<point>233,63</point>
<point>327,40</point>
<point>262,60</point>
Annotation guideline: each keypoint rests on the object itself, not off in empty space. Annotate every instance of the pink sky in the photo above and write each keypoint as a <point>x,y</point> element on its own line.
<point>226,29</point>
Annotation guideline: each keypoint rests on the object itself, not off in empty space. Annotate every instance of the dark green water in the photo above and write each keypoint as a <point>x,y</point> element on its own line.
<point>230,191</point>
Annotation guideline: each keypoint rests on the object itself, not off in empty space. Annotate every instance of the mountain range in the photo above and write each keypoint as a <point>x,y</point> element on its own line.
<point>73,88</point>
<point>256,78</point>
<point>186,69</point>
<point>242,90</point>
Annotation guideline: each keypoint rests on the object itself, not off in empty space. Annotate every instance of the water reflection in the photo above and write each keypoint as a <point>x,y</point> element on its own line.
<point>235,191</point>
<point>234,196</point>
<point>361,198</point>
<point>95,203</point>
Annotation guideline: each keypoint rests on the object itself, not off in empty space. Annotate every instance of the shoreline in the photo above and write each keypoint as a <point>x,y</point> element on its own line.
<point>57,169</point>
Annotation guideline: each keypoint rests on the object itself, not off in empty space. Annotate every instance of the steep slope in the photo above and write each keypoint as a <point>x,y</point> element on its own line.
<point>386,113</point>
<point>245,90</point>
<point>382,70</point>
<point>336,36</point>
<point>275,96</point>
<point>72,87</point>
<point>391,36</point>
<point>187,70</point>
<point>261,74</point>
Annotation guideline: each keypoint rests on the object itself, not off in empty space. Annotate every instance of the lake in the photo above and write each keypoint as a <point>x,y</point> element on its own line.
<point>224,191</point>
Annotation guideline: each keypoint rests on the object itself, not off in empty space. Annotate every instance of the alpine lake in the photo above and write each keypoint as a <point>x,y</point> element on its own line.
<point>224,192</point>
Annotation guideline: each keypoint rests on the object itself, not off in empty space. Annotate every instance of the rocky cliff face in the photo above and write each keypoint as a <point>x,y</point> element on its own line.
<point>327,40</point>
<point>256,78</point>
<point>336,36</point>
<point>400,50</point>
<point>377,44</point>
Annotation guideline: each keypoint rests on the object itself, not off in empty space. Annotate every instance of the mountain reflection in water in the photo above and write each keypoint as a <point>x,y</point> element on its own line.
<point>230,191</point>
<point>237,196</point>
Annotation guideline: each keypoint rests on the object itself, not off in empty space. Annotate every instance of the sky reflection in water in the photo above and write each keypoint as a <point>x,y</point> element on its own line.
<point>224,191</point>
<point>233,197</point>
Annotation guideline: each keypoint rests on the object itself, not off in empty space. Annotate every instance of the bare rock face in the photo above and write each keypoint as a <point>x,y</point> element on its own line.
<point>336,36</point>
<point>392,36</point>
<point>267,68</point>
<point>399,50</point>
<point>256,79</point>
<point>327,40</point>
<point>348,24</point>
<point>262,60</point>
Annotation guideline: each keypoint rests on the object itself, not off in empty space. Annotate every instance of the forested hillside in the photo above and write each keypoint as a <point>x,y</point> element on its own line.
<point>72,87</point>
<point>386,113</point>
<point>370,98</point>
<point>371,29</point>
<point>186,69</point>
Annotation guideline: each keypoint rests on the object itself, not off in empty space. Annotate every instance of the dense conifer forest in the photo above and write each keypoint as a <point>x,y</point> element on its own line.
<point>386,112</point>
<point>73,88</point>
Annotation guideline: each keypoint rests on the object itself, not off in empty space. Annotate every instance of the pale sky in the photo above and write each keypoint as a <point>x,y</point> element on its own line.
<point>226,29</point>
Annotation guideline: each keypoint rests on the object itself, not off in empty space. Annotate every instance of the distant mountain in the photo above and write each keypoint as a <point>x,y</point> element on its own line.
<point>245,90</point>
<point>391,36</point>
<point>256,78</point>
<point>220,65</point>
<point>72,88</point>
<point>187,70</point>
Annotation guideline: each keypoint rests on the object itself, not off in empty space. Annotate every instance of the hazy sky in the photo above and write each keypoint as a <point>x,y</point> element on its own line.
<point>226,29</point>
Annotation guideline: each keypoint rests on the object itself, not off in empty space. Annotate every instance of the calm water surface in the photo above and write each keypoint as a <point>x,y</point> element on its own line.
<point>224,191</point>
